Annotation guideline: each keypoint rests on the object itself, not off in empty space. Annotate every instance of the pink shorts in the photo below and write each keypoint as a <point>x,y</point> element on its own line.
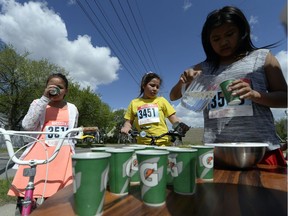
<point>274,157</point>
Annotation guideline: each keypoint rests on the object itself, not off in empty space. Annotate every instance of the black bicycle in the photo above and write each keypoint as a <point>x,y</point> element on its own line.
<point>178,132</point>
<point>125,138</point>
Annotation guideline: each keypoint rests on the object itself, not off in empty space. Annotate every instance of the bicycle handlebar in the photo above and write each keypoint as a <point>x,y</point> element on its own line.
<point>143,134</point>
<point>63,135</point>
<point>179,130</point>
<point>86,129</point>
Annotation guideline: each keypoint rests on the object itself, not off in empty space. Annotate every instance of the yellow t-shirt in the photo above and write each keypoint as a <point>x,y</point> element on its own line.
<point>150,115</point>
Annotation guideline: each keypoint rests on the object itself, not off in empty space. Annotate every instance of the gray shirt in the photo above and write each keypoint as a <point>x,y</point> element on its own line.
<point>249,121</point>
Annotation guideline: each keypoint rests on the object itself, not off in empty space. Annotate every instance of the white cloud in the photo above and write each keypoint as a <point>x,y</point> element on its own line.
<point>254,37</point>
<point>193,119</point>
<point>187,4</point>
<point>35,28</point>
<point>190,118</point>
<point>253,20</point>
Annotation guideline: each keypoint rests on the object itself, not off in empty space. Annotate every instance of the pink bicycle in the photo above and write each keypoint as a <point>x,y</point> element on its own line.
<point>28,203</point>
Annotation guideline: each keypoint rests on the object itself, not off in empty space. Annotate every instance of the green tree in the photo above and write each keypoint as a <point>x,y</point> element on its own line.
<point>281,128</point>
<point>21,81</point>
<point>106,117</point>
<point>119,120</point>
<point>92,111</point>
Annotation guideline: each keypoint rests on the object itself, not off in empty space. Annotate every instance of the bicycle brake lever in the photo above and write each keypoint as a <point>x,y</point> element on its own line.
<point>181,128</point>
<point>79,135</point>
<point>133,133</point>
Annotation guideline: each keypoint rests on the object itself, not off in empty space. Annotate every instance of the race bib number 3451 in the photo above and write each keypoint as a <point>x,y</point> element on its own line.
<point>148,113</point>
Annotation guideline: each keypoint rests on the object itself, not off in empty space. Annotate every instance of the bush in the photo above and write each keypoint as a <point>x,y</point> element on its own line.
<point>4,187</point>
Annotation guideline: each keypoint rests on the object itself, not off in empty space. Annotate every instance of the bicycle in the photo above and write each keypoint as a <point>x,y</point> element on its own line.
<point>29,203</point>
<point>125,139</point>
<point>179,131</point>
<point>88,140</point>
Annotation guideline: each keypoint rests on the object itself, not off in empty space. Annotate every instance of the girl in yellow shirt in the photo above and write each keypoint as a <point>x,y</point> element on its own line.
<point>149,112</point>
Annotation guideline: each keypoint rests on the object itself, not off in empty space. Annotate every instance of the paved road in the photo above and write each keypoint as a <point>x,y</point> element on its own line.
<point>4,158</point>
<point>8,209</point>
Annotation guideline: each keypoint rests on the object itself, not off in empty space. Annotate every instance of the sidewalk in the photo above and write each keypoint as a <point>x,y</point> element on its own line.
<point>8,210</point>
<point>10,173</point>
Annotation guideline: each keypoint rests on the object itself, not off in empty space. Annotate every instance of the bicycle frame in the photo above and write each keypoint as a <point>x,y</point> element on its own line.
<point>125,138</point>
<point>28,203</point>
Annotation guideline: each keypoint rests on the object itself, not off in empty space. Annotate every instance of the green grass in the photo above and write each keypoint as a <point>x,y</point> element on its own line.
<point>3,150</point>
<point>84,145</point>
<point>4,187</point>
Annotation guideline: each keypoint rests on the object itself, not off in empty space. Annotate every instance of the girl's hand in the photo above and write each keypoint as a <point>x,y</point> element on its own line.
<point>189,75</point>
<point>243,90</point>
<point>125,130</point>
<point>47,91</point>
<point>127,126</point>
<point>185,79</point>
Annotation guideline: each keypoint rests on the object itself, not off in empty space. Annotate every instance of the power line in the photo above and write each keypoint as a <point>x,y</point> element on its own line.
<point>102,35</point>
<point>125,30</point>
<point>118,45</point>
<point>121,43</point>
<point>133,33</point>
<point>140,32</point>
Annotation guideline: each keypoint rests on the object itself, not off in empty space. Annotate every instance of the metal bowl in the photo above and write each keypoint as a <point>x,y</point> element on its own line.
<point>238,155</point>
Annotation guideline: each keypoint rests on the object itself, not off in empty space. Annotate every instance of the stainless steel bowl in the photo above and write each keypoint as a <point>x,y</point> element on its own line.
<point>238,155</point>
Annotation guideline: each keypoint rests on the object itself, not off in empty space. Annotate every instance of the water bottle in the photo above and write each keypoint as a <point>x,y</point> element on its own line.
<point>54,91</point>
<point>200,92</point>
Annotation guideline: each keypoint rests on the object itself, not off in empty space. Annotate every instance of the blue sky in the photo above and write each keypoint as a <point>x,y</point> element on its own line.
<point>110,44</point>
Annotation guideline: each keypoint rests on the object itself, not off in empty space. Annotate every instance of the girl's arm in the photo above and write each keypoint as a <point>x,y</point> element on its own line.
<point>178,126</point>
<point>276,95</point>
<point>36,110</point>
<point>32,120</point>
<point>185,79</point>
<point>277,86</point>
<point>176,91</point>
<point>127,126</point>
<point>173,118</point>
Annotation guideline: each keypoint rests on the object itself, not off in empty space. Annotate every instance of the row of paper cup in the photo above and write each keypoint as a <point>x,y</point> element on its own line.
<point>152,167</point>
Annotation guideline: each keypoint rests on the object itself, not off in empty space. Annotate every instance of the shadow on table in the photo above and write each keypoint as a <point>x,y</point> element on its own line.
<point>228,199</point>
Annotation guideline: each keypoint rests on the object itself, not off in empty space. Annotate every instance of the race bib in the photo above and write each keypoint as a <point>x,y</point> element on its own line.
<point>52,128</point>
<point>148,113</point>
<point>218,108</point>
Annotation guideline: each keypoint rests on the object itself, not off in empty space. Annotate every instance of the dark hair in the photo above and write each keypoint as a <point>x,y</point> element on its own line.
<point>219,17</point>
<point>58,75</point>
<point>146,79</point>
